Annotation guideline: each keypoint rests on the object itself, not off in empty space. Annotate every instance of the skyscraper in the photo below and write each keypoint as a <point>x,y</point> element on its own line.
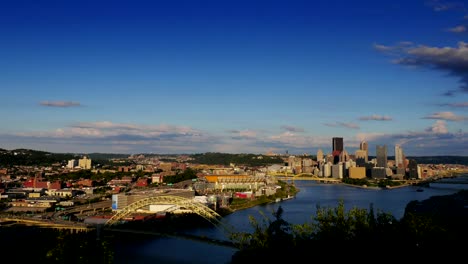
<point>399,157</point>
<point>337,143</point>
<point>364,146</point>
<point>381,152</point>
<point>361,157</point>
<point>344,156</point>
<point>319,155</point>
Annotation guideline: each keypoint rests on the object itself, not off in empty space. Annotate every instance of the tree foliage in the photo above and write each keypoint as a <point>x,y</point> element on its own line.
<point>32,157</point>
<point>215,158</point>
<point>45,245</point>
<point>426,227</point>
<point>187,174</point>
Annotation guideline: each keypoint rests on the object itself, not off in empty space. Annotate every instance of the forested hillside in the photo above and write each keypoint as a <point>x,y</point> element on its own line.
<point>212,158</point>
<point>31,157</point>
<point>462,160</point>
<point>36,157</point>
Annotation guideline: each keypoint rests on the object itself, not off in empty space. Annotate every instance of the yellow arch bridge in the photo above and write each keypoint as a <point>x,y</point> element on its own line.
<point>181,202</point>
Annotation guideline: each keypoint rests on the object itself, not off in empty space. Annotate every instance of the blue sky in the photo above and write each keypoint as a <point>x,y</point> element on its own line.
<point>234,76</point>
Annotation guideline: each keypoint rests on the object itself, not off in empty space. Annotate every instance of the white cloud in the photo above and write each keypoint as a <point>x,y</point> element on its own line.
<point>376,118</point>
<point>59,103</point>
<point>446,116</point>
<point>343,124</point>
<point>439,127</point>
<point>292,128</point>
<point>298,141</point>
<point>383,48</point>
<point>457,29</point>
<point>110,137</point>
<point>440,6</point>
<point>453,60</point>
<point>369,136</point>
<point>461,105</point>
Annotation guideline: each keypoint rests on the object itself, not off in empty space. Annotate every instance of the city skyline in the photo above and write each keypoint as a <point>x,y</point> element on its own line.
<point>234,76</point>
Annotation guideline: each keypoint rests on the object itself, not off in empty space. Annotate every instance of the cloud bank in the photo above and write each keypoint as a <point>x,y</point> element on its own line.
<point>105,136</point>
<point>59,103</point>
<point>451,60</point>
<point>446,116</point>
<point>376,118</point>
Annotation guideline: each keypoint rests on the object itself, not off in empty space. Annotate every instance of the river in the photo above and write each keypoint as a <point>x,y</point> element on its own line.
<point>298,210</point>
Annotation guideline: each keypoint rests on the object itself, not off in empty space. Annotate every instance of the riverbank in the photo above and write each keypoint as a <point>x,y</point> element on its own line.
<point>287,191</point>
<point>362,186</point>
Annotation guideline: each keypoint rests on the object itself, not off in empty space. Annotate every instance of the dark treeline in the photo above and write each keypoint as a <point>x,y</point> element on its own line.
<point>29,157</point>
<point>431,229</point>
<point>25,244</point>
<point>462,160</point>
<point>214,158</point>
<point>42,158</point>
<point>106,156</point>
<point>180,176</point>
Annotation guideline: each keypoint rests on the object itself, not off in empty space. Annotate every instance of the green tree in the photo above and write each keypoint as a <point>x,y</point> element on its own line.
<point>330,229</point>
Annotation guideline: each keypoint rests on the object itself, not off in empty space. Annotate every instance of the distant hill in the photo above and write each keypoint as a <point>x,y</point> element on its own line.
<point>462,160</point>
<point>214,158</point>
<point>43,158</point>
<point>106,156</point>
<point>31,157</point>
<point>37,157</point>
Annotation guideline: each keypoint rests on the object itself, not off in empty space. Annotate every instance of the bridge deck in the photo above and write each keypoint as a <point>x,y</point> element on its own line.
<point>310,178</point>
<point>47,224</point>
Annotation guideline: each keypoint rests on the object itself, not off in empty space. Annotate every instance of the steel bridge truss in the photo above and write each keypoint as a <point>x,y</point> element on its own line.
<point>184,203</point>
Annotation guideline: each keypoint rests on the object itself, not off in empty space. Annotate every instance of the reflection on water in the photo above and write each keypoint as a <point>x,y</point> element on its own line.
<point>458,183</point>
<point>172,250</point>
<point>299,210</point>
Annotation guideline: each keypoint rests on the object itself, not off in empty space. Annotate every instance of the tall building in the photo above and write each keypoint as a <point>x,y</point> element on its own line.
<point>413,169</point>
<point>344,156</point>
<point>326,170</point>
<point>399,157</point>
<point>338,144</point>
<point>381,152</point>
<point>365,147</point>
<point>295,164</point>
<point>319,155</point>
<point>72,163</point>
<point>361,157</point>
<point>337,171</point>
<point>85,163</point>
<point>337,148</point>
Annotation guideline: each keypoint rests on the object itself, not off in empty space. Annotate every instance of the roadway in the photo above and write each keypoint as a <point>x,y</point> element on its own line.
<point>310,178</point>
<point>46,223</point>
<point>82,210</point>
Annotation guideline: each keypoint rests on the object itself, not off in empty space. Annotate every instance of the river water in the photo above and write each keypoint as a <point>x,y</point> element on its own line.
<point>298,210</point>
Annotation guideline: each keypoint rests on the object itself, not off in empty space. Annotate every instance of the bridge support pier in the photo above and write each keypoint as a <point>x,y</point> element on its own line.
<point>98,231</point>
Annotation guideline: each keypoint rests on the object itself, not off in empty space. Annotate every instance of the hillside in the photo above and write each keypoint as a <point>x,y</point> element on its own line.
<point>31,157</point>
<point>462,160</point>
<point>36,157</point>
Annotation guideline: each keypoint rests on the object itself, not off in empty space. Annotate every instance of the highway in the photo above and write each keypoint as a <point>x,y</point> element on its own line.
<point>46,223</point>
<point>310,178</point>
